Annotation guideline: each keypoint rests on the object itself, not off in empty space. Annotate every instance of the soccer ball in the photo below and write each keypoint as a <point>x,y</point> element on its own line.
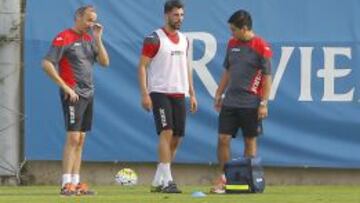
<point>126,176</point>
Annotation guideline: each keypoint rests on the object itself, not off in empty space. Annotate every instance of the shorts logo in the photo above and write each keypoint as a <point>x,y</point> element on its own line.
<point>162,117</point>
<point>235,49</point>
<point>72,114</point>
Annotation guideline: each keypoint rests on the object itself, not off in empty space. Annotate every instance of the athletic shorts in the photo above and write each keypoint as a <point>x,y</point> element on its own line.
<point>231,119</point>
<point>78,116</point>
<point>169,113</point>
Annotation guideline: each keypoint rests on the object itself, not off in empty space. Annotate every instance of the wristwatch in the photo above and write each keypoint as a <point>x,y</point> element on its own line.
<point>263,102</point>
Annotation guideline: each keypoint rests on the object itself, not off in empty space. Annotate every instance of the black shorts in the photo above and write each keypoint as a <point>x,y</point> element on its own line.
<point>169,113</point>
<point>78,116</point>
<point>231,119</point>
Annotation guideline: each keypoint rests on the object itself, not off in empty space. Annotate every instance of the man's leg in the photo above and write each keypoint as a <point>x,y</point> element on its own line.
<point>78,117</point>
<point>250,146</point>
<point>164,150</point>
<point>223,150</point>
<point>77,162</point>
<point>176,114</point>
<point>175,142</point>
<point>164,156</point>
<point>69,155</point>
<point>166,147</point>
<point>223,153</point>
<point>250,124</point>
<point>228,126</point>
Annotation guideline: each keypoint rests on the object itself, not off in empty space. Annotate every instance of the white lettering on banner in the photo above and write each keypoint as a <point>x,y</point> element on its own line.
<point>329,73</point>
<point>305,73</point>
<point>200,65</point>
<point>284,59</point>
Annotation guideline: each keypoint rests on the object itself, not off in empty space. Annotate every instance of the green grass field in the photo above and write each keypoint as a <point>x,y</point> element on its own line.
<point>276,194</point>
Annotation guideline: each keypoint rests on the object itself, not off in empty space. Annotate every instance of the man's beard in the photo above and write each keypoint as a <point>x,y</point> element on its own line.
<point>175,25</point>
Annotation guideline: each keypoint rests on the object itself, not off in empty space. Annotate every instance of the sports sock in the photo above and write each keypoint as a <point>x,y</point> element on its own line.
<point>75,179</point>
<point>158,178</point>
<point>166,171</point>
<point>66,178</point>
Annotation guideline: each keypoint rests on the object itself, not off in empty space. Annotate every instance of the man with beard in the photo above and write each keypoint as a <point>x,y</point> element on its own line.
<point>74,51</point>
<point>165,78</point>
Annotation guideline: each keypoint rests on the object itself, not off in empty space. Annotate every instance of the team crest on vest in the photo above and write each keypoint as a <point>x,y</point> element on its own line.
<point>177,53</point>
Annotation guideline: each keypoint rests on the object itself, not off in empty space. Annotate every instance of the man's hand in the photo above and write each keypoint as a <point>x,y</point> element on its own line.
<point>71,95</point>
<point>193,104</point>
<point>146,102</point>
<point>97,31</point>
<point>262,112</point>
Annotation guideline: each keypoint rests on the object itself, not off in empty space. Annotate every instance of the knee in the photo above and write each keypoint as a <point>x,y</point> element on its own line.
<point>175,143</point>
<point>224,140</point>
<point>167,132</point>
<point>80,143</point>
<point>166,135</point>
<point>76,139</point>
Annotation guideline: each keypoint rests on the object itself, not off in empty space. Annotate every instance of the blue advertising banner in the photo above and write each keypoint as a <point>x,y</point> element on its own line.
<point>314,102</point>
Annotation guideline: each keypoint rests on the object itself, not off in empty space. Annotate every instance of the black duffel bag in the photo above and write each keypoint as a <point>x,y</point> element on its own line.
<point>244,175</point>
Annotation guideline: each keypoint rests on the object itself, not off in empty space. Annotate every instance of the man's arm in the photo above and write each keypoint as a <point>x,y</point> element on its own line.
<point>53,74</point>
<point>221,89</point>
<point>267,87</point>
<point>103,57</point>
<point>263,108</point>
<point>142,76</point>
<point>193,101</point>
<point>267,81</point>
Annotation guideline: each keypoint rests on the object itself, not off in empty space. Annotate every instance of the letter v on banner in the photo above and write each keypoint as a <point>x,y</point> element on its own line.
<point>200,65</point>
<point>284,60</point>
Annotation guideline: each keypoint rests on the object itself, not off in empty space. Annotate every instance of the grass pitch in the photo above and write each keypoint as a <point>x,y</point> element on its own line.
<point>141,194</point>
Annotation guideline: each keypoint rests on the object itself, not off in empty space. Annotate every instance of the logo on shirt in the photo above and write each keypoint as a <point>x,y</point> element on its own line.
<point>256,82</point>
<point>235,49</point>
<point>76,44</point>
<point>177,53</point>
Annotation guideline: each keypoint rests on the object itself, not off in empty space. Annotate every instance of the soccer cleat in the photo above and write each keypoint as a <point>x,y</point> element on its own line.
<point>156,188</point>
<point>170,188</point>
<point>219,186</point>
<point>68,189</point>
<point>83,189</point>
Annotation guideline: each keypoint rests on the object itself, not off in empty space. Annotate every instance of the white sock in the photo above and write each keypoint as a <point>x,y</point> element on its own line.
<point>158,178</point>
<point>75,179</point>
<point>165,168</point>
<point>66,178</point>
